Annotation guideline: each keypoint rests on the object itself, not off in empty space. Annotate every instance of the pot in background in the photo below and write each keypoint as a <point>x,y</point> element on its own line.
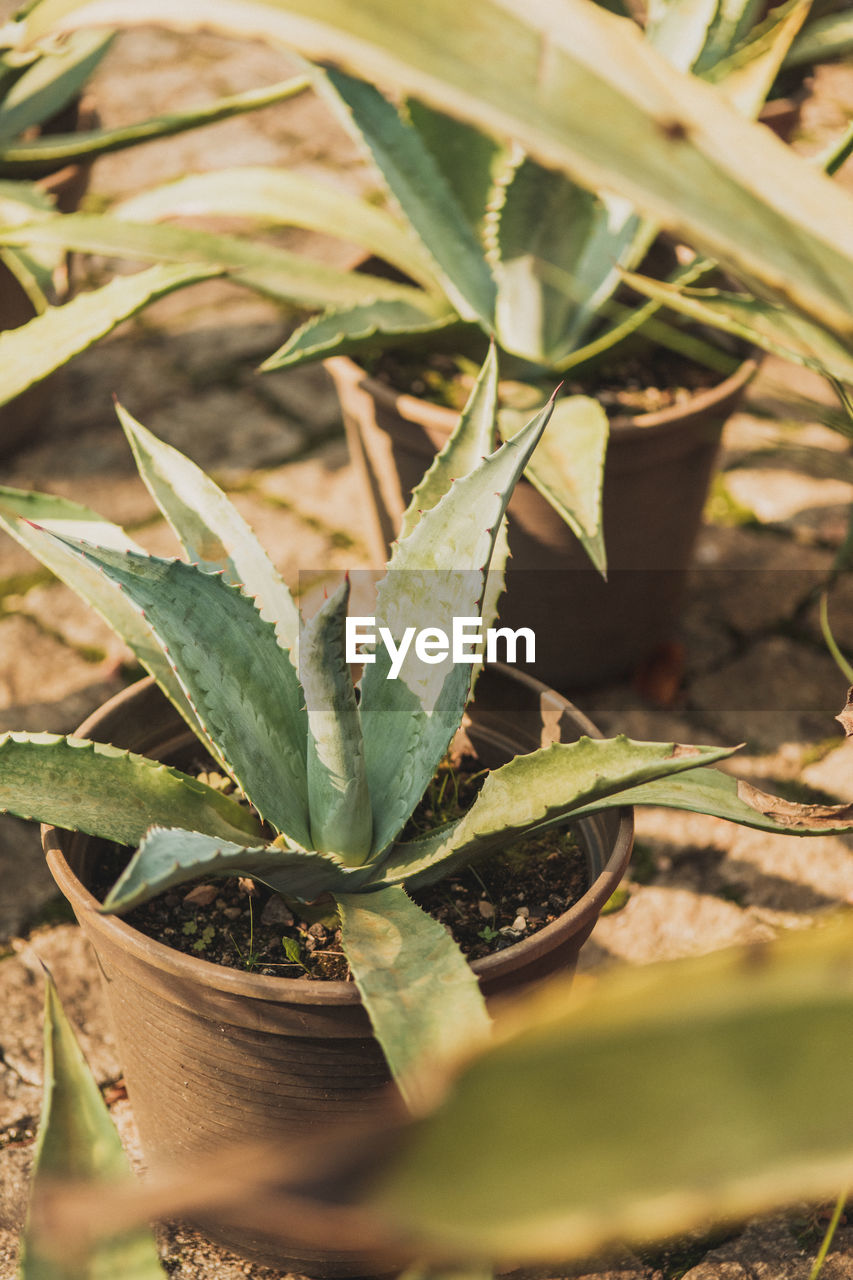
<point>216,1057</point>
<point>657,475</point>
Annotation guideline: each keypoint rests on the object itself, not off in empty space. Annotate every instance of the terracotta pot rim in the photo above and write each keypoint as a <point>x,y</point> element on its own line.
<point>413,408</point>
<point>262,987</point>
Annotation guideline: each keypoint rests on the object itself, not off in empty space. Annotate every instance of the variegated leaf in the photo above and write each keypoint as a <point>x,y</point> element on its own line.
<point>338,799</point>
<point>49,84</point>
<point>240,682</point>
<point>544,787</point>
<point>31,352</point>
<point>471,441</point>
<point>47,153</point>
<point>93,787</point>
<point>422,997</point>
<point>77,1142</point>
<point>722,796</point>
<point>283,197</point>
<point>435,575</point>
<point>418,185</point>
<point>358,329</point>
<point>769,326</point>
<point>166,858</point>
<point>32,519</point>
<point>589,96</point>
<point>210,528</point>
<point>276,273</point>
<point>567,467</point>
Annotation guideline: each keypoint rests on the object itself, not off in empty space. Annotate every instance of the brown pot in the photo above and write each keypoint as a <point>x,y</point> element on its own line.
<point>21,418</point>
<point>656,480</point>
<point>215,1056</point>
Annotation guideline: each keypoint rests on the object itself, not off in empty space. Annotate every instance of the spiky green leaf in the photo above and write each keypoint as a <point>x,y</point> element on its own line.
<point>767,325</point>
<point>589,96</point>
<point>423,999</point>
<point>568,467</point>
<point>417,183</point>
<point>557,248</point>
<point>722,796</point>
<point>436,574</point>
<point>77,1142</point>
<point>338,799</point>
<point>359,329</point>
<point>168,857</point>
<point>31,352</point>
<point>93,787</point>
<point>281,197</point>
<point>544,787</point>
<point>240,682</point>
<point>470,160</point>
<point>209,527</point>
<point>31,518</point>
<point>472,439</point>
<point>49,84</point>
<point>29,159</point>
<point>276,273</point>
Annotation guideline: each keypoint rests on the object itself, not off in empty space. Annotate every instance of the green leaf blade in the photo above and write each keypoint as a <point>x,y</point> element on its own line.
<point>283,198</point>
<point>170,857</point>
<point>275,273</point>
<point>472,439</point>
<point>767,325</point>
<point>436,574</point>
<point>49,84</point>
<point>567,468</point>
<point>26,159</point>
<point>557,249</point>
<point>209,527</point>
<point>338,797</point>
<point>78,1142</point>
<point>359,329</point>
<point>31,352</point>
<point>422,997</point>
<point>418,185</point>
<point>469,159</point>
<point>590,97</point>
<point>723,796</point>
<point>33,518</point>
<point>93,787</point>
<point>620,1073</point>
<point>545,787</point>
<point>242,685</point>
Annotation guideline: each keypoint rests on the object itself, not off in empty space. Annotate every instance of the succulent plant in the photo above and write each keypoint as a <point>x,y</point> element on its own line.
<point>333,773</point>
<point>520,219</point>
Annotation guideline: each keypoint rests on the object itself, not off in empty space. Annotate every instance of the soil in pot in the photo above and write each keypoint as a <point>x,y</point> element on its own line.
<point>486,907</point>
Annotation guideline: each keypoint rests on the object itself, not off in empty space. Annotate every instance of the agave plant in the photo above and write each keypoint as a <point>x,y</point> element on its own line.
<point>519,239</point>
<point>332,773</point>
